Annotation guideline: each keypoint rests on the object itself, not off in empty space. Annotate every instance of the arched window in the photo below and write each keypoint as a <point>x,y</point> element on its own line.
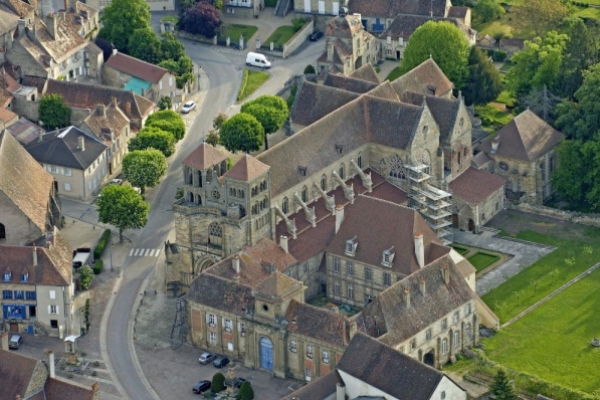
<point>190,197</point>
<point>239,194</point>
<point>426,159</point>
<point>199,178</point>
<point>459,157</point>
<point>215,234</point>
<point>342,171</point>
<point>324,183</point>
<point>2,232</point>
<point>396,167</point>
<point>190,178</point>
<point>209,175</point>
<point>232,192</point>
<point>284,205</point>
<point>304,194</point>
<point>360,165</point>
<point>198,200</point>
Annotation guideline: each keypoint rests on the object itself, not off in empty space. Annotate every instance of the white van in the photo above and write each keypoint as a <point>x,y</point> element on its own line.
<point>257,60</point>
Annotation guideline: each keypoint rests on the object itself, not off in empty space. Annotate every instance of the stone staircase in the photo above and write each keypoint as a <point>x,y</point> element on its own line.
<point>41,328</point>
<point>282,8</point>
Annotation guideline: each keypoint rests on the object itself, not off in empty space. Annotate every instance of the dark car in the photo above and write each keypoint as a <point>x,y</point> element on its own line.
<point>221,361</point>
<point>240,382</point>
<point>316,35</point>
<point>206,357</point>
<point>201,387</point>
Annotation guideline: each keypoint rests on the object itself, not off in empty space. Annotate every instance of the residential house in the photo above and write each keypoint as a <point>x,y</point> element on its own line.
<point>320,9</point>
<point>132,74</point>
<point>78,162</point>
<point>29,207</point>
<point>161,5</point>
<point>27,378</point>
<point>37,287</point>
<point>358,376</point>
<point>348,46</point>
<point>243,8</point>
<point>524,153</point>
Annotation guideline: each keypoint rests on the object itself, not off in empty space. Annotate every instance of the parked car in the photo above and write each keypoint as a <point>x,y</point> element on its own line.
<point>207,357</point>
<point>187,107</point>
<point>16,341</point>
<point>257,60</point>
<point>240,382</point>
<point>220,361</point>
<point>201,387</point>
<point>116,181</point>
<point>316,35</point>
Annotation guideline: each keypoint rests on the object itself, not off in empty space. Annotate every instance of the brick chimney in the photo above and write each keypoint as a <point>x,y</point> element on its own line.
<point>35,260</point>
<point>339,217</point>
<point>407,296</point>
<point>127,109</point>
<point>50,361</point>
<point>283,242</point>
<point>236,264</point>
<point>351,328</point>
<point>422,286</point>
<point>419,249</point>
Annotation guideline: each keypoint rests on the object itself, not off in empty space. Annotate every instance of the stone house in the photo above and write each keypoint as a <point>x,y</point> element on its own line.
<point>353,379</point>
<point>524,153</point>
<point>29,205</point>
<point>37,287</point>
<point>132,74</point>
<point>78,162</point>
<point>28,378</point>
<point>243,8</point>
<point>320,11</point>
<point>348,46</point>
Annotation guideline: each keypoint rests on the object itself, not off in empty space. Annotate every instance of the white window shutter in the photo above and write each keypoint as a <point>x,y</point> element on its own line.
<point>207,317</point>
<point>52,294</point>
<point>49,310</point>
<point>57,310</point>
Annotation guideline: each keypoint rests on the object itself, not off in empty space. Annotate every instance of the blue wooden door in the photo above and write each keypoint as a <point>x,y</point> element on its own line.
<point>266,354</point>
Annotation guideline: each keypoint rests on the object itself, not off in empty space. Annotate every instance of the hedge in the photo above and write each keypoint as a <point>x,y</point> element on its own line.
<point>102,244</point>
<point>98,265</point>
<point>244,83</point>
<point>499,55</point>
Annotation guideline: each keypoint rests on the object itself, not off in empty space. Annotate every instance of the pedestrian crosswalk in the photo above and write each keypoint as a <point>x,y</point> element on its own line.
<point>144,253</point>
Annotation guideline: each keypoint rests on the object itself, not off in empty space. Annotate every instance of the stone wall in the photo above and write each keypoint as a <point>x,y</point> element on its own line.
<point>298,39</point>
<point>579,218</point>
<point>19,228</point>
<point>24,107</point>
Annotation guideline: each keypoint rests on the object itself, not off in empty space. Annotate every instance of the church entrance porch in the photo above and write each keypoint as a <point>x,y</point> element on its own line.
<point>266,353</point>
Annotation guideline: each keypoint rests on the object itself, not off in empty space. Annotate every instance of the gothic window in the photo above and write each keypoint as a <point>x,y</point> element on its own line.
<point>360,164</point>
<point>304,194</point>
<point>190,197</point>
<point>396,167</point>
<point>342,171</point>
<point>324,183</point>
<point>2,232</point>
<point>209,175</point>
<point>240,193</point>
<point>426,159</point>
<point>232,192</point>
<point>199,178</point>
<point>284,205</point>
<point>190,178</point>
<point>198,200</point>
<point>215,234</point>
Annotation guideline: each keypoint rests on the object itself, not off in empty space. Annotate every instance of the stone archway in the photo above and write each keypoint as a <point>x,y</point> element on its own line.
<point>203,262</point>
<point>471,225</point>
<point>429,358</point>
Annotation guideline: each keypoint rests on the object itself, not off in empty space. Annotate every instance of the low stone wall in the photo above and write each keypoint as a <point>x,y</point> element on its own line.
<point>579,218</point>
<point>296,41</point>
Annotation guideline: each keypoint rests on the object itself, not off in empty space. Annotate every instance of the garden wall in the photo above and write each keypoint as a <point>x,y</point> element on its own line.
<point>296,41</point>
<point>579,218</point>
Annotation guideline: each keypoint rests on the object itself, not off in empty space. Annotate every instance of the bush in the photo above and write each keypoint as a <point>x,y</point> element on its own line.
<point>168,120</point>
<point>86,276</point>
<point>309,70</point>
<point>246,392</point>
<point>218,383</point>
<point>298,23</point>
<point>244,83</point>
<point>270,3</point>
<point>499,56</point>
<point>98,265</point>
<point>102,244</point>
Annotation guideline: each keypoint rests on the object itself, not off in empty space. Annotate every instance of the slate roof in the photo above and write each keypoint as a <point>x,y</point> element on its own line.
<point>204,157</point>
<point>426,78</point>
<point>389,319</point>
<point>8,19</point>
<point>222,294</point>
<point>24,131</point>
<point>24,181</point>
<point>314,101</point>
<point>385,90</point>
<point>348,83</point>
<point>391,8</point>
<point>62,148</point>
<point>443,109</point>
<point>246,169</point>
<point>374,363</point>
<point>344,27</point>
<point>317,322</point>
<point>367,73</point>
<point>319,389</point>
<point>458,12</point>
<point>404,25</point>
<point>475,185</point>
<point>136,67</point>
<point>526,138</point>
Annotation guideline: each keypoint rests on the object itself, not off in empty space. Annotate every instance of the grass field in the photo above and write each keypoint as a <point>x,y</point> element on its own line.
<point>482,260</point>
<point>255,79</point>
<point>553,342</point>
<point>460,250</point>
<point>492,118</point>
<point>281,36</point>
<point>235,30</point>
<point>505,98</point>
<point>395,74</point>
<point>571,258</point>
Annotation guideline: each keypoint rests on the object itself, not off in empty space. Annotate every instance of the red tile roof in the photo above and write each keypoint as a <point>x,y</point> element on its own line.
<point>204,157</point>
<point>476,185</point>
<point>247,169</point>
<point>136,67</point>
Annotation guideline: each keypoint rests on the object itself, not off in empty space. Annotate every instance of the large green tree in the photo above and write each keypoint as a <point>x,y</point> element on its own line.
<point>144,168</point>
<point>242,132</point>
<point>153,137</point>
<point>568,179</point>
<point>484,83</point>
<point>145,45</point>
<point>578,55</point>
<point>53,112</point>
<point>542,14</point>
<point>172,49</point>
<point>168,120</point>
<point>501,387</point>
<point>123,208</point>
<point>487,10</point>
<point>445,43</point>
<point>121,18</point>
<point>270,111</point>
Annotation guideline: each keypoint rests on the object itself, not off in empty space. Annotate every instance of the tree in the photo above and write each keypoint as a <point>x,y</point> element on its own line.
<point>201,19</point>
<point>170,65</point>
<point>218,4</point>
<point>309,70</point>
<point>488,10</point>
<point>213,138</point>
<point>168,120</point>
<point>246,392</point>
<point>144,168</point>
<point>568,178</point>
<point>53,112</point>
<point>484,83</point>
<point>153,137</point>
<point>145,45</point>
<point>218,383</point>
<point>270,111</point>
<point>121,18</point>
<point>165,103</point>
<point>123,208</point>
<point>501,388</point>
<point>219,120</point>
<point>171,48</point>
<point>542,13</point>
<point>577,56</point>
<point>242,132</point>
<point>445,43</point>
<point>86,276</point>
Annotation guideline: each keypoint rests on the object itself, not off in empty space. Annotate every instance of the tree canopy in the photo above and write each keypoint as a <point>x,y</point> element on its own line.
<point>202,19</point>
<point>501,387</point>
<point>487,10</point>
<point>218,383</point>
<point>171,48</point>
<point>484,83</point>
<point>445,43</point>
<point>153,137</point>
<point>144,168</point>
<point>242,132</point>
<point>123,208</point>
<point>270,111</point>
<point>121,18</point>
<point>53,112</point>
<point>542,14</point>
<point>246,392</point>
<point>578,55</point>
<point>168,120</point>
<point>165,103</point>
<point>145,45</point>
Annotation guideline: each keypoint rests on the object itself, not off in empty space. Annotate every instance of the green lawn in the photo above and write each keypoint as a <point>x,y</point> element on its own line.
<point>553,342</point>
<point>255,79</point>
<point>280,36</point>
<point>492,118</point>
<point>395,74</point>
<point>460,250</point>
<point>170,18</point>
<point>571,258</point>
<point>234,31</point>
<point>482,260</point>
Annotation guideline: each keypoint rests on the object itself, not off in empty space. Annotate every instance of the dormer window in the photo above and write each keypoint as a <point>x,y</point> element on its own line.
<point>24,277</point>
<point>302,170</point>
<point>388,257</point>
<point>339,148</point>
<point>351,246</point>
<point>7,276</point>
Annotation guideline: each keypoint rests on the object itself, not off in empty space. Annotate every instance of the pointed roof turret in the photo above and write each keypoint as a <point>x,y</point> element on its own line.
<point>246,169</point>
<point>204,157</point>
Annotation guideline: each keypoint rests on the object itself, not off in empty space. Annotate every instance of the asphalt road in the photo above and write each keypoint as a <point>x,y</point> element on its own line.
<point>224,69</point>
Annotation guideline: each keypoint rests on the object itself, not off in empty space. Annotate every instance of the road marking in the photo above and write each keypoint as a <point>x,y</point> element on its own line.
<point>131,252</point>
<point>144,252</point>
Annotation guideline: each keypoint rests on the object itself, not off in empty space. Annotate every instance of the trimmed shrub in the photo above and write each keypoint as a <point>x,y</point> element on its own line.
<point>309,70</point>
<point>218,383</point>
<point>298,23</point>
<point>98,265</point>
<point>246,392</point>
<point>102,244</point>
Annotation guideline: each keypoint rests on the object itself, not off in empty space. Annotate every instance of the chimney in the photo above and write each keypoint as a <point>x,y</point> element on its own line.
<point>128,109</point>
<point>81,143</point>
<point>34,31</point>
<point>407,296</point>
<point>422,286</point>
<point>4,340</point>
<point>495,144</point>
<point>283,242</point>
<point>114,102</point>
<point>236,264</point>
<point>339,217</point>
<point>330,50</point>
<point>41,137</point>
<point>115,51</point>
<point>51,20</point>
<point>50,360</point>
<point>340,391</point>
<point>35,256</point>
<point>101,110</point>
<point>351,328</point>
<point>446,274</point>
<point>95,391</point>
<point>21,27</point>
<point>419,250</point>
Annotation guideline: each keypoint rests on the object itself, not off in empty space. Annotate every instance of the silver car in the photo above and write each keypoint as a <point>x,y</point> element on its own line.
<point>206,357</point>
<point>15,342</point>
<point>187,107</point>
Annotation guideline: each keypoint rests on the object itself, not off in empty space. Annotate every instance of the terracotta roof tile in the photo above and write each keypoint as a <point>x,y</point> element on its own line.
<point>276,285</point>
<point>321,388</point>
<point>476,185</point>
<point>16,372</point>
<point>246,169</point>
<point>344,27</point>
<point>24,131</point>
<point>104,118</point>
<point>60,390</point>
<point>204,157</point>
<point>426,78</point>
<point>317,323</point>
<point>7,116</point>
<point>136,67</point>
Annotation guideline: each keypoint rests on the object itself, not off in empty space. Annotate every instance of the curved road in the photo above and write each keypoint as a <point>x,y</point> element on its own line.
<point>224,70</point>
